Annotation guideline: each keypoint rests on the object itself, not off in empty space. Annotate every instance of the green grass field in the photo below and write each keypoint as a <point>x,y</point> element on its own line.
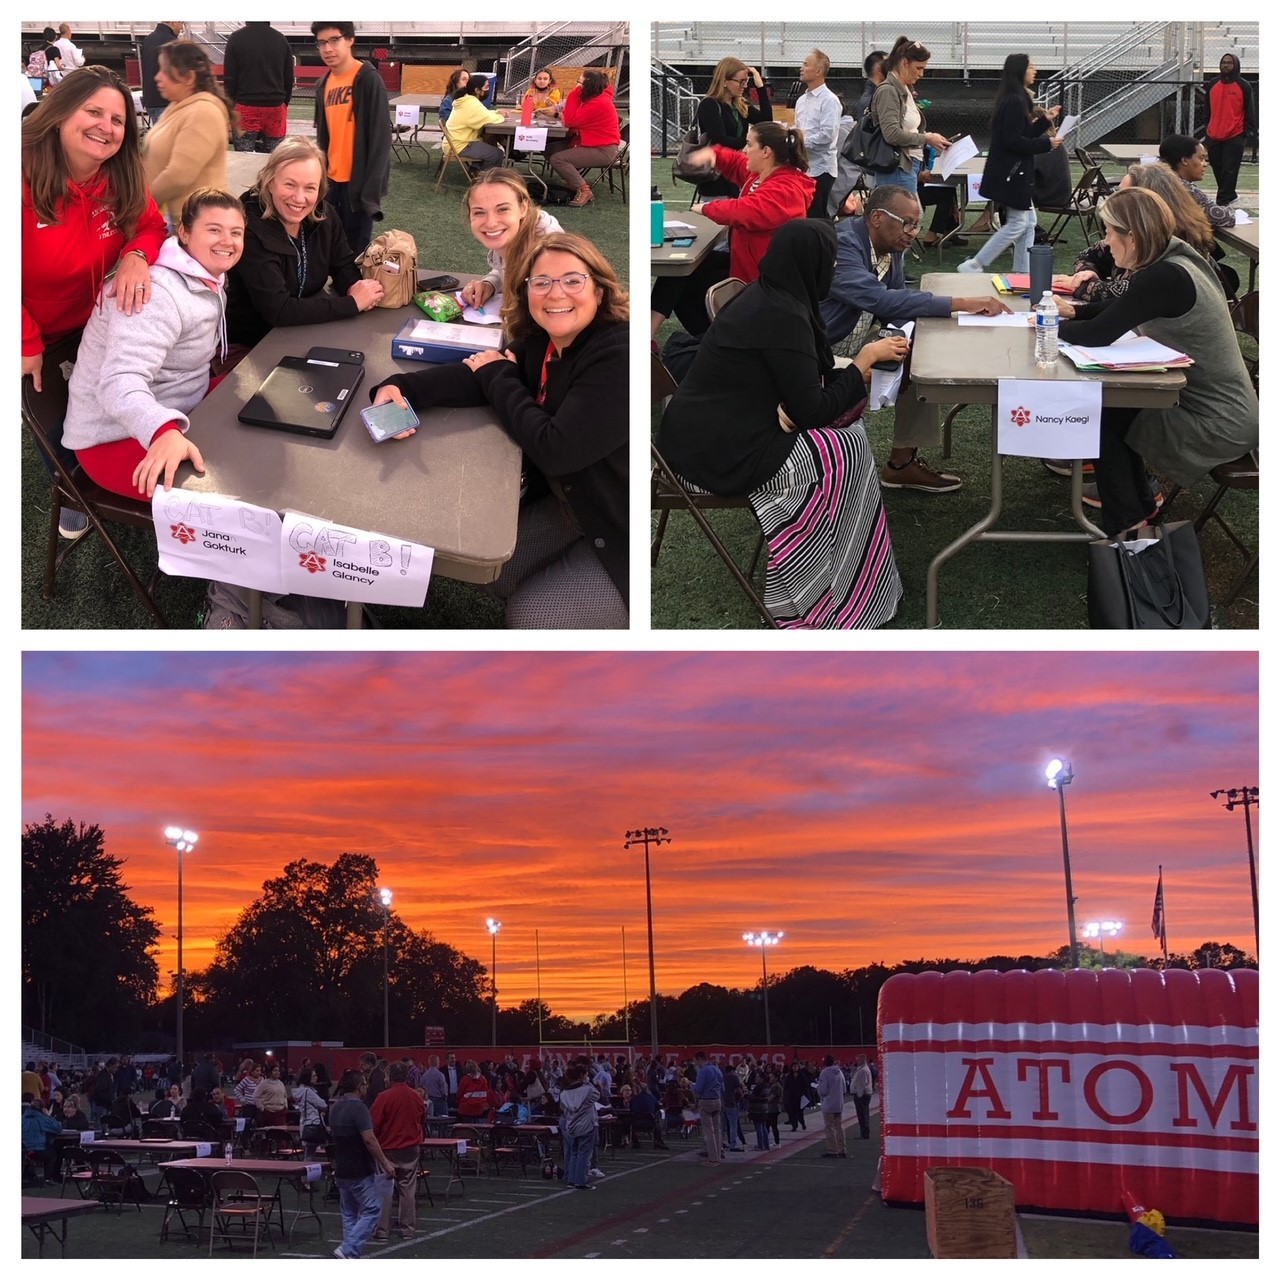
<point>986,586</point>
<point>91,592</point>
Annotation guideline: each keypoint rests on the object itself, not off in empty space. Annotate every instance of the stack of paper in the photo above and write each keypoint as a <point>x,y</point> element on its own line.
<point>1129,355</point>
<point>1020,282</point>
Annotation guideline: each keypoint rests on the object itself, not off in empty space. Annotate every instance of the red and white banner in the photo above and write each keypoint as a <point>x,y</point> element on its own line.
<point>1076,1085</point>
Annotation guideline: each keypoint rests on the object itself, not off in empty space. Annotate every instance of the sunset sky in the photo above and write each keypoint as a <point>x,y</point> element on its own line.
<point>874,806</point>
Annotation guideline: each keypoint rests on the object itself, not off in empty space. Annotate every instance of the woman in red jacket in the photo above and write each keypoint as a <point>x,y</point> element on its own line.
<point>772,171</point>
<point>590,113</point>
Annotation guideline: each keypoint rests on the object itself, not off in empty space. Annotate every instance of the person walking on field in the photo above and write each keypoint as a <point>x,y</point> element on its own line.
<point>831,1092</point>
<point>362,1170</point>
<point>708,1088</point>
<point>861,1088</point>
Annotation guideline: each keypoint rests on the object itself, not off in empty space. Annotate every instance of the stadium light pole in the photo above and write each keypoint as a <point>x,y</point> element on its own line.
<point>1100,929</point>
<point>494,926</point>
<point>1244,797</point>
<point>1058,774</point>
<point>764,940</point>
<point>385,897</point>
<point>650,836</point>
<point>183,841</point>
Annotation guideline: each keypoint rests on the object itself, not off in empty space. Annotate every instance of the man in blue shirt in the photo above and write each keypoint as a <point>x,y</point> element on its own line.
<point>870,288</point>
<point>708,1088</point>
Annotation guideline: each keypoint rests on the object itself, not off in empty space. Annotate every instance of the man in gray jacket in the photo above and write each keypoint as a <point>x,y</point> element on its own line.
<point>831,1092</point>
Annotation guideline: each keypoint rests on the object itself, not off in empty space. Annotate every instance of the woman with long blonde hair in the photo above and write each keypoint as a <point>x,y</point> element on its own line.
<point>504,219</point>
<point>727,112</point>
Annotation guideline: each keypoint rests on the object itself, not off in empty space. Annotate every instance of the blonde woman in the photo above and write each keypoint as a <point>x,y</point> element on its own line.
<point>504,219</point>
<point>727,112</point>
<point>294,246</point>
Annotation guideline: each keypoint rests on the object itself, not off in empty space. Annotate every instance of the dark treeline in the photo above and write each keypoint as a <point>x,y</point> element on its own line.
<point>304,961</point>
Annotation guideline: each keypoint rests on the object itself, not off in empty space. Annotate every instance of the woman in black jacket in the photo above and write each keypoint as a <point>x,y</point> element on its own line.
<point>725,115</point>
<point>560,392</point>
<point>293,246</point>
<point>763,412</point>
<point>1017,135</point>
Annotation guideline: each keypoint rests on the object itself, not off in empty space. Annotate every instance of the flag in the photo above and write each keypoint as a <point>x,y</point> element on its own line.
<point>1157,911</point>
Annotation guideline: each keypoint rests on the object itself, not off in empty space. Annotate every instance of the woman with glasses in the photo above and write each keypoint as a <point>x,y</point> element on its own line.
<point>898,115</point>
<point>560,392</point>
<point>1018,134</point>
<point>772,174</point>
<point>725,115</point>
<point>764,412</point>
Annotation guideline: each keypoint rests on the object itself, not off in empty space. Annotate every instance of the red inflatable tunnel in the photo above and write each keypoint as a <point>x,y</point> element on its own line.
<point>1076,1085</point>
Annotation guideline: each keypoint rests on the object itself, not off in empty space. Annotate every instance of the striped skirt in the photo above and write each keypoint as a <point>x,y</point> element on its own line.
<point>831,563</point>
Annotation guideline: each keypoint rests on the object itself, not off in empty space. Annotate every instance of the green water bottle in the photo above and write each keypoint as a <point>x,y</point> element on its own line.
<point>657,216</point>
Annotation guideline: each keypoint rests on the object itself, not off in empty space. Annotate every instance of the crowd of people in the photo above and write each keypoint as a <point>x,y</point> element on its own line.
<point>141,270</point>
<point>763,408</point>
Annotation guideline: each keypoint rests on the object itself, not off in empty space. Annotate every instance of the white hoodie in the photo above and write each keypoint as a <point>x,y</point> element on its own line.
<point>135,373</point>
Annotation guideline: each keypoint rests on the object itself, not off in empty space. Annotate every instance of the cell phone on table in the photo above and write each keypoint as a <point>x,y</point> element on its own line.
<point>336,355</point>
<point>439,283</point>
<point>383,421</point>
<point>682,242</point>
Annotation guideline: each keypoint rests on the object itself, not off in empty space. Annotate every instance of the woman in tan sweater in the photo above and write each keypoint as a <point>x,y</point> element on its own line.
<point>187,147</point>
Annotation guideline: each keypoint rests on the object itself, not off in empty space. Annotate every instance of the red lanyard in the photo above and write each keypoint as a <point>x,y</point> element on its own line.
<point>542,379</point>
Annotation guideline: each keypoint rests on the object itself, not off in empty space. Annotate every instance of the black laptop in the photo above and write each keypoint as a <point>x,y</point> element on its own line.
<point>307,397</point>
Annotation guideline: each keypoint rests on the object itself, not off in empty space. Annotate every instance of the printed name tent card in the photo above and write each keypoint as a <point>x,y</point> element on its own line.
<point>322,558</point>
<point>1053,418</point>
<point>207,535</point>
<point>530,139</point>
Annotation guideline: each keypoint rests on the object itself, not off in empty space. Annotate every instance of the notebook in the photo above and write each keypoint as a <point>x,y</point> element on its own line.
<point>306,397</point>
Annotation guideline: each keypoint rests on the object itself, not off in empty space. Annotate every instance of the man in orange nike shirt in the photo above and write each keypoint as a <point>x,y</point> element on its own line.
<point>353,128</point>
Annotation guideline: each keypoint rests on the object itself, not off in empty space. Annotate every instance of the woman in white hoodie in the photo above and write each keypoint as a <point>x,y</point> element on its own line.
<point>137,377</point>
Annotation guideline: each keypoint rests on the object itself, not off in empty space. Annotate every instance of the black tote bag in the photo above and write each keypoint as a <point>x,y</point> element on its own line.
<point>1161,587</point>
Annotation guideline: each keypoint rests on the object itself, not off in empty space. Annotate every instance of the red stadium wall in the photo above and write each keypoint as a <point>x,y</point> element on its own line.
<point>1076,1085</point>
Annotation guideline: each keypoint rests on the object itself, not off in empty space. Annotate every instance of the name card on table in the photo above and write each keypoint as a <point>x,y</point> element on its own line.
<point>240,1121</point>
<point>407,116</point>
<point>975,181</point>
<point>530,139</point>
<point>313,1172</point>
<point>204,1150</point>
<point>462,1146</point>
<point>1048,419</point>
<point>206,535</point>
<point>320,558</point>
<point>88,1136</point>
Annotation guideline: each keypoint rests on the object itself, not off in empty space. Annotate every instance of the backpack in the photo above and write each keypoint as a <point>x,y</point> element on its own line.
<point>392,260</point>
<point>36,65</point>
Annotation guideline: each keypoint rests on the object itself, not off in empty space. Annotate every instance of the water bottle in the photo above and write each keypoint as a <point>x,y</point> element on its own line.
<point>657,216</point>
<point>226,1153</point>
<point>1046,331</point>
<point>526,109</point>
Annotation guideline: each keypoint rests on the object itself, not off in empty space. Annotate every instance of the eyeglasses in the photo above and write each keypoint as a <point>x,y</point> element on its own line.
<point>908,224</point>
<point>740,80</point>
<point>331,43</point>
<point>570,282</point>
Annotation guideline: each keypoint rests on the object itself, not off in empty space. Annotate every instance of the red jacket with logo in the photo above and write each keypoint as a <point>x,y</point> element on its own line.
<point>759,211</point>
<point>64,265</point>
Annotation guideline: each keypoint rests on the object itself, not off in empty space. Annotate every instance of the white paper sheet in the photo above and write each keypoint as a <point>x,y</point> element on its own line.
<point>207,535</point>
<point>678,226</point>
<point>1067,125</point>
<point>1049,419</point>
<point>1009,320</point>
<point>490,313</point>
<point>1128,350</point>
<point>956,154</point>
<point>322,558</point>
<point>1242,216</point>
<point>407,116</point>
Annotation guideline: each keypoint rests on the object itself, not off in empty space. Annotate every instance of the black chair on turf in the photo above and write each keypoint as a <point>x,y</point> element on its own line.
<point>1082,206</point>
<point>505,1148</point>
<point>238,1202</point>
<point>668,493</point>
<point>188,1193</point>
<point>113,1180</point>
<point>43,413</point>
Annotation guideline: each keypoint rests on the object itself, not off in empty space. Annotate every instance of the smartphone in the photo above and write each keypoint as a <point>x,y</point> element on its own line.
<point>386,420</point>
<point>888,366</point>
<point>438,282</point>
<point>336,355</point>
<point>683,243</point>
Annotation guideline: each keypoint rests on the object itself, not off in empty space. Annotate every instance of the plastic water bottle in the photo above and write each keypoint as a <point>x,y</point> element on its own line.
<point>1046,331</point>
<point>657,218</point>
<point>526,109</point>
<point>226,1153</point>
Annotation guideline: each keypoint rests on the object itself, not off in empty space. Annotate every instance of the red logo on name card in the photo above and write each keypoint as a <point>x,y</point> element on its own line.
<point>183,532</point>
<point>1021,416</point>
<point>311,562</point>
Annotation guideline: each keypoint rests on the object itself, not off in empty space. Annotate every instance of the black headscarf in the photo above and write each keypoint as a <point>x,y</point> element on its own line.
<point>781,310</point>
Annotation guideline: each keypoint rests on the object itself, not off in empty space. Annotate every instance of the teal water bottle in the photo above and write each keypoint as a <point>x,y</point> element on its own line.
<point>657,216</point>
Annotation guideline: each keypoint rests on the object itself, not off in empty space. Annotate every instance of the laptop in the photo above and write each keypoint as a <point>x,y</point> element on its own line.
<point>306,397</point>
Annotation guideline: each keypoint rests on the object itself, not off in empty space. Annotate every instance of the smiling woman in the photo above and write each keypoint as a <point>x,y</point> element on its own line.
<point>559,390</point>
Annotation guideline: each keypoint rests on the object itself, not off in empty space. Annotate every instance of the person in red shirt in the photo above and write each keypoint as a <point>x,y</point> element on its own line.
<point>1231,120</point>
<point>475,1097</point>
<point>398,1113</point>
<point>589,111</point>
<point>772,171</point>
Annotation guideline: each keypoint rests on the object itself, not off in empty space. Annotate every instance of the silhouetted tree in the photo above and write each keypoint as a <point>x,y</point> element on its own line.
<point>88,974</point>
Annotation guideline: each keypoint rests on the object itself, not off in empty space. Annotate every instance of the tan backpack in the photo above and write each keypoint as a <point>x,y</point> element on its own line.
<point>392,260</point>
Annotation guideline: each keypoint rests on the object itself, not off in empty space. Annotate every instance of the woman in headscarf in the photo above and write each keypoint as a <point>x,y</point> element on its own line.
<point>763,411</point>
